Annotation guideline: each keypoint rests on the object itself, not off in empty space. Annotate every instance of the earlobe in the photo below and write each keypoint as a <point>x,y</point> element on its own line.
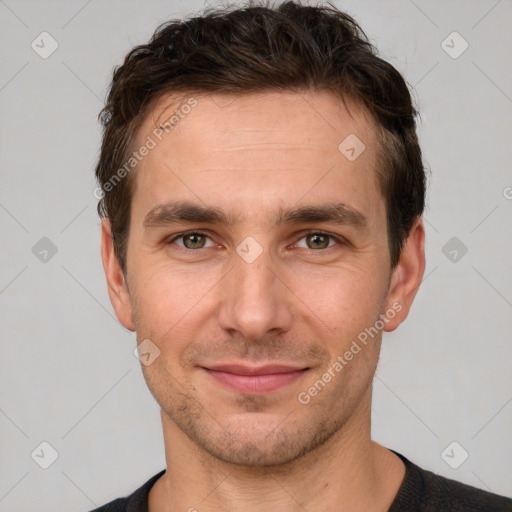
<point>407,276</point>
<point>117,288</point>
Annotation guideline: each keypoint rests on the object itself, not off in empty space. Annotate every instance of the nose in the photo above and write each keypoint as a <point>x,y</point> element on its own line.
<point>254,299</point>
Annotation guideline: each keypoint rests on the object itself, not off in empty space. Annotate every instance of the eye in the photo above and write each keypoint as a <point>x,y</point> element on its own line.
<point>192,240</point>
<point>318,240</point>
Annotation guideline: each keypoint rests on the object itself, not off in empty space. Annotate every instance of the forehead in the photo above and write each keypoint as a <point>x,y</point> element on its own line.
<point>266,143</point>
<point>323,117</point>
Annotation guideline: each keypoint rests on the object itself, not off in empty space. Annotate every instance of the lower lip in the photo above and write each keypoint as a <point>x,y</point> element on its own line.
<point>255,383</point>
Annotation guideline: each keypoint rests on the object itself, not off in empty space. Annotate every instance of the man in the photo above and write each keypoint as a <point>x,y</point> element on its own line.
<point>263,191</point>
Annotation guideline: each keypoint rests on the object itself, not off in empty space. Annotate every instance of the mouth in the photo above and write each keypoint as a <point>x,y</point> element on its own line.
<point>255,379</point>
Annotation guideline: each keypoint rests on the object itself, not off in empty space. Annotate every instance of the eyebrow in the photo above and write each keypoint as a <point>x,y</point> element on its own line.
<point>175,212</point>
<point>183,211</point>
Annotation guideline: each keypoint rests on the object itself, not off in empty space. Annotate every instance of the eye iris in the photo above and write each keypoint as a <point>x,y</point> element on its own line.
<point>194,241</point>
<point>318,241</point>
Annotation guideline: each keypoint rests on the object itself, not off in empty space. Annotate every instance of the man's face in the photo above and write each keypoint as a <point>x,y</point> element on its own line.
<point>285,282</point>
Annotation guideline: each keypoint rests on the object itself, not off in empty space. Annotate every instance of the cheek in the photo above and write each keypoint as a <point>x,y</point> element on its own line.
<point>171,303</point>
<point>345,300</point>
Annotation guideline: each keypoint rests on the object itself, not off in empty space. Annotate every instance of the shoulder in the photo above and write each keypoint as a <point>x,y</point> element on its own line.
<point>424,491</point>
<point>135,502</point>
<point>447,494</point>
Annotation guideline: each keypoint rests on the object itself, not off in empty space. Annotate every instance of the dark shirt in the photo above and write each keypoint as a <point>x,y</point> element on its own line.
<point>421,491</point>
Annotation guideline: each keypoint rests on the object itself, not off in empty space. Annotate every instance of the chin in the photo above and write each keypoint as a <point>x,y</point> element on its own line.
<point>269,443</point>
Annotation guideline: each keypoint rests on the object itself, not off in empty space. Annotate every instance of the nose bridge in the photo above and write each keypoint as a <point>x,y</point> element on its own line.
<point>253,301</point>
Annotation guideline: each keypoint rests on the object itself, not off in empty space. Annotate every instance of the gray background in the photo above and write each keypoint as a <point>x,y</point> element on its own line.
<point>67,372</point>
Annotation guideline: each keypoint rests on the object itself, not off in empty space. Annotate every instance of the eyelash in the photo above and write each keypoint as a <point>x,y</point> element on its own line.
<point>338,239</point>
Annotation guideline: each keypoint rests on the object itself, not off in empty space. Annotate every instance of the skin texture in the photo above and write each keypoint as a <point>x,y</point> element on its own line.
<point>296,303</point>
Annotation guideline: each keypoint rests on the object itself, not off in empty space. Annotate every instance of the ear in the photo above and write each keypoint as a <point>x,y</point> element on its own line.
<point>117,288</point>
<point>406,277</point>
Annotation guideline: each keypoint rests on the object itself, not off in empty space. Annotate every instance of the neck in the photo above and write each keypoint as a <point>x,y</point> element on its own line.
<point>349,472</point>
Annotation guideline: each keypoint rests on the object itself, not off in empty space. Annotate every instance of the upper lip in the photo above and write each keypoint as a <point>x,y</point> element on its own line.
<point>267,369</point>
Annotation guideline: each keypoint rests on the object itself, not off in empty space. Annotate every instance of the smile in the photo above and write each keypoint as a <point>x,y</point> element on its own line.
<point>265,379</point>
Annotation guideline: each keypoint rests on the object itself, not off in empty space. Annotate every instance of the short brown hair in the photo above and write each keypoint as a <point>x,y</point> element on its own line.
<point>260,48</point>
